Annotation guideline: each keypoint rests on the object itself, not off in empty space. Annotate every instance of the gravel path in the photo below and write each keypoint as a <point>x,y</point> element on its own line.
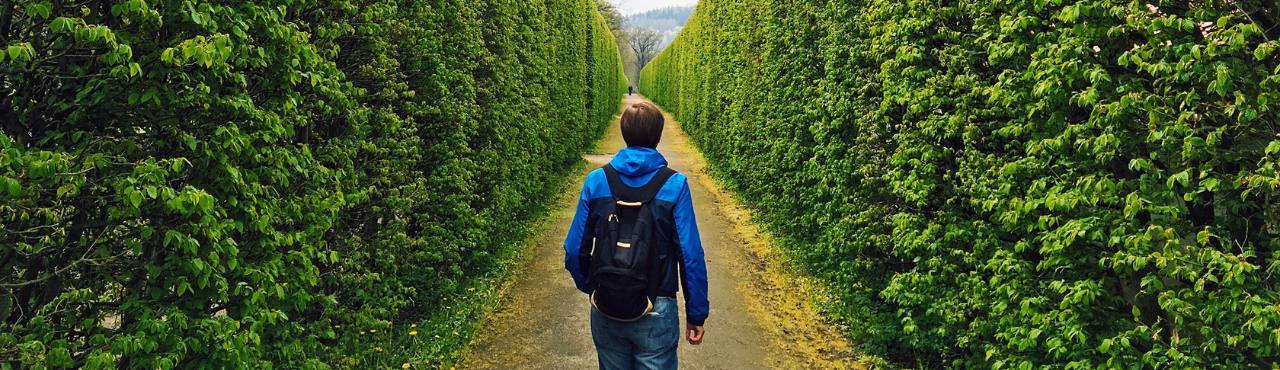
<point>760,317</point>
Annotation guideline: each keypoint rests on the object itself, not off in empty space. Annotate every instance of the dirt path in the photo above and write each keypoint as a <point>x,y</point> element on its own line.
<point>760,314</point>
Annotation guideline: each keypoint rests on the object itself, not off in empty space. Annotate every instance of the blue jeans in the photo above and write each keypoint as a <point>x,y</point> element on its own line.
<point>648,343</point>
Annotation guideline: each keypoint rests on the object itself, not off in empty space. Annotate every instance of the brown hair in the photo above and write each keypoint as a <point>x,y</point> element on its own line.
<point>642,125</point>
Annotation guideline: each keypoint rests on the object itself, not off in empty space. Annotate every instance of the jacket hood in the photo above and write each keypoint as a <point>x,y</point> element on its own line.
<point>637,161</point>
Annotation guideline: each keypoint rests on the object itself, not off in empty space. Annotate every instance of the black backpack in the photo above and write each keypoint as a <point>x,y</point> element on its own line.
<point>623,269</point>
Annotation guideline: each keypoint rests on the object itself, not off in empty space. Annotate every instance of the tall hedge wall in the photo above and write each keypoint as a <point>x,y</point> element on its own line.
<point>1067,183</point>
<point>190,184</point>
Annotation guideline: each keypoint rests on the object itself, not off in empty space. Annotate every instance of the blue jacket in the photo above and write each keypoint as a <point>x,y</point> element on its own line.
<point>673,204</point>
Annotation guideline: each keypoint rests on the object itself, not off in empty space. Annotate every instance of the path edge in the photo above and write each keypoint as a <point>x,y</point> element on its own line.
<point>781,280</point>
<point>521,257</point>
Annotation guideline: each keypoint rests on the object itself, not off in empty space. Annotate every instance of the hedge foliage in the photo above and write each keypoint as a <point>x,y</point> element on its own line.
<point>1065,183</point>
<point>251,184</point>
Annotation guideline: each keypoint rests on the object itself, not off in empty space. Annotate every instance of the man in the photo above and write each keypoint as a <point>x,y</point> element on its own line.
<point>633,243</point>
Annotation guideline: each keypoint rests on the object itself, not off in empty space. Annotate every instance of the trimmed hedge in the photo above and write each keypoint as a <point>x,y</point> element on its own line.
<point>189,184</point>
<point>1079,184</point>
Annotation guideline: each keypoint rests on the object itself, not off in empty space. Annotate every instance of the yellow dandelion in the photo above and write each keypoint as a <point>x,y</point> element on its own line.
<point>413,325</point>
<point>405,366</point>
<point>379,349</point>
<point>413,333</point>
<point>373,330</point>
<point>362,332</point>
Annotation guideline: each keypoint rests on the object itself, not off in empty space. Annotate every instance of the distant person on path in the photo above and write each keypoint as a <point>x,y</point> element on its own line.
<point>633,243</point>
<point>630,89</point>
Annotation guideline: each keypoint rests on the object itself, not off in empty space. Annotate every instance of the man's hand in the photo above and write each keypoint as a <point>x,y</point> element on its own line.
<point>693,333</point>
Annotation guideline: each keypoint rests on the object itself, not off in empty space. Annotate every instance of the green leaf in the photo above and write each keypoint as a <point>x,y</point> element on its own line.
<point>18,52</point>
<point>10,186</point>
<point>135,198</point>
<point>60,24</point>
<point>1210,184</point>
<point>39,9</point>
<point>1222,85</point>
<point>65,189</point>
<point>1182,178</point>
<point>60,358</point>
<point>1224,21</point>
<point>206,202</point>
<point>1264,50</point>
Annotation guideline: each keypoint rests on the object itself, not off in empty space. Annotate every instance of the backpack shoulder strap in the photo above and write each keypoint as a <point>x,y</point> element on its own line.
<point>644,193</point>
<point>615,183</point>
<point>650,190</point>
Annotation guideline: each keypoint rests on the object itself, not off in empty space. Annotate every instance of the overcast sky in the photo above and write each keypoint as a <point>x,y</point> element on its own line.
<point>629,7</point>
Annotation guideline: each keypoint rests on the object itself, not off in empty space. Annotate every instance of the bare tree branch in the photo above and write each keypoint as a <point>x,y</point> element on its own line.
<point>644,42</point>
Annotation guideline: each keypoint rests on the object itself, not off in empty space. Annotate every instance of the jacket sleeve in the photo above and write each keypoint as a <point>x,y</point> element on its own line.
<point>693,265</point>
<point>573,241</point>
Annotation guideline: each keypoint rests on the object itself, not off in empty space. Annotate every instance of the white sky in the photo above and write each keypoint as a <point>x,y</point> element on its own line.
<point>629,7</point>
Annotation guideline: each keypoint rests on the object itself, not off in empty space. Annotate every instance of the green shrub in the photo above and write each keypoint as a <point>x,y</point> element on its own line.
<point>1006,184</point>
<point>226,185</point>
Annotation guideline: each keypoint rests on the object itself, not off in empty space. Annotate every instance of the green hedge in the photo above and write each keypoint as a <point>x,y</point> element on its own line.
<point>1080,184</point>
<point>189,184</point>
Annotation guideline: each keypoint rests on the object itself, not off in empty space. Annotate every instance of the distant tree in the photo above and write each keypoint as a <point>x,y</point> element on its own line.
<point>612,16</point>
<point>645,43</point>
<point>616,22</point>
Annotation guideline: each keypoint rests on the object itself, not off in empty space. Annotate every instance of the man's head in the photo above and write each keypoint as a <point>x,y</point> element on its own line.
<point>642,125</point>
